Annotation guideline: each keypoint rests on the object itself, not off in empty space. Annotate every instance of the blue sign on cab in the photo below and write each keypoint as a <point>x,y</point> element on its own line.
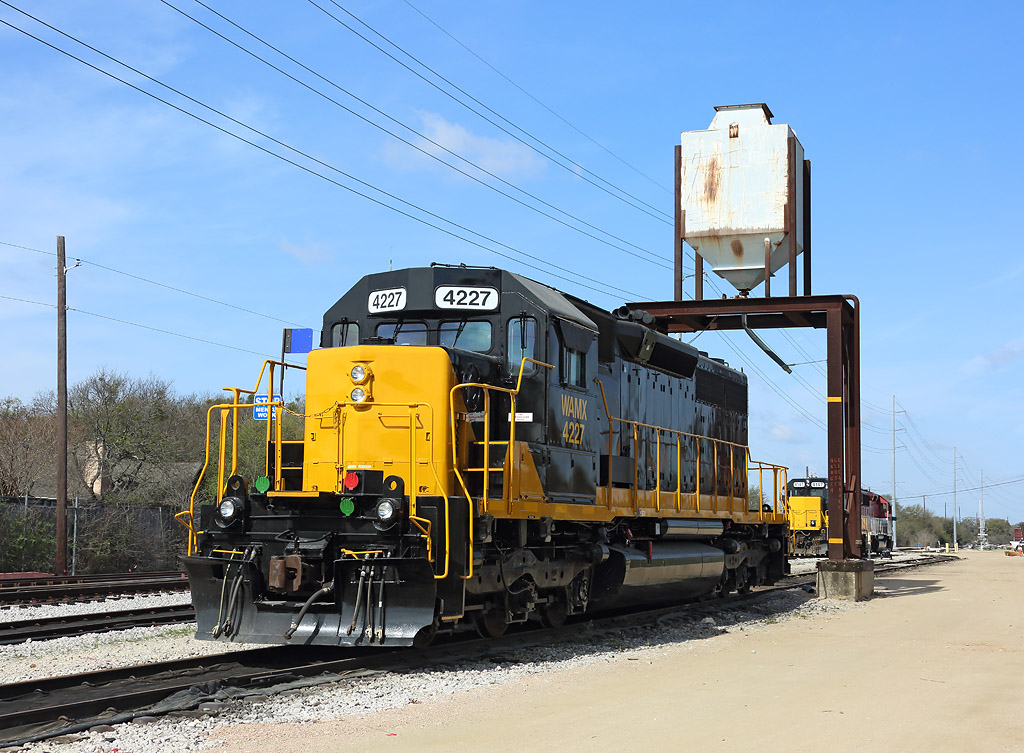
<point>261,411</point>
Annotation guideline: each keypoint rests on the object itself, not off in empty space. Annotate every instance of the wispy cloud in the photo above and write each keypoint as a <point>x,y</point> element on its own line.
<point>307,254</point>
<point>504,157</point>
<point>996,359</point>
<point>785,433</point>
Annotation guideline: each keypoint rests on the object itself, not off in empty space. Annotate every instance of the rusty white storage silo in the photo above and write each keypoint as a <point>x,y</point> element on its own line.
<point>741,181</point>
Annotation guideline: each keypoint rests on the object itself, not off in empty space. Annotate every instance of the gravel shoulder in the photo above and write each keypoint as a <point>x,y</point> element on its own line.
<point>84,653</point>
<point>933,659</point>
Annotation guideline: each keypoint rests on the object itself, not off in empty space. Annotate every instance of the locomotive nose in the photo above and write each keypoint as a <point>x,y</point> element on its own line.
<point>378,408</point>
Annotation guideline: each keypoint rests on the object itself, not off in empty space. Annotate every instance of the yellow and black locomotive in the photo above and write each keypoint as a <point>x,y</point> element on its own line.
<point>480,450</point>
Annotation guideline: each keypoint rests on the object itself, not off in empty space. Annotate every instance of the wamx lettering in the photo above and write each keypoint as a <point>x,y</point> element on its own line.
<point>574,407</point>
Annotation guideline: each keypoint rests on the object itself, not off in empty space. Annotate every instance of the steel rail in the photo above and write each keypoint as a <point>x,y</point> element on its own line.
<point>99,588</point>
<point>97,622</point>
<point>44,579</point>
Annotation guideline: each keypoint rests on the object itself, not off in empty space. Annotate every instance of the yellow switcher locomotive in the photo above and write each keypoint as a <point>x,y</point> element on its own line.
<point>480,450</point>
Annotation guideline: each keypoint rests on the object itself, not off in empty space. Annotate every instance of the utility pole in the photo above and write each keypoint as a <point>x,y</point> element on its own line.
<point>892,507</point>
<point>981,512</point>
<point>954,497</point>
<point>61,560</point>
<point>924,499</point>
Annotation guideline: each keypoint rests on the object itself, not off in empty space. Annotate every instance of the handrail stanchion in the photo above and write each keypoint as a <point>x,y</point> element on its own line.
<point>657,471</point>
<point>611,447</point>
<point>714,475</point>
<point>278,412</point>
<point>234,430</point>
<point>487,445</point>
<point>222,441</point>
<point>679,474</point>
<point>732,482</point>
<point>270,422</point>
<point>636,469</point>
<point>507,474</point>
<point>696,499</point>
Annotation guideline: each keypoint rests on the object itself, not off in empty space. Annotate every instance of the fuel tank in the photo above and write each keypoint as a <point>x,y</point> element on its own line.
<point>660,571</point>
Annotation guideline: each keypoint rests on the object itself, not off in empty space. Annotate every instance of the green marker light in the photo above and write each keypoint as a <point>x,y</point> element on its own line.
<point>262,484</point>
<point>347,506</point>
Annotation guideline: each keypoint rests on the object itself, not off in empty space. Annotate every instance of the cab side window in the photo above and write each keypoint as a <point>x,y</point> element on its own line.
<point>574,344</point>
<point>574,367</point>
<point>522,343</point>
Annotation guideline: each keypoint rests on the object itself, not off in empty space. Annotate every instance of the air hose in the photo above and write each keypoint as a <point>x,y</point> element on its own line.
<point>328,588</point>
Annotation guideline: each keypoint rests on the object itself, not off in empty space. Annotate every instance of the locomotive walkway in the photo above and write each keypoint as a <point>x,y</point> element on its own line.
<point>933,662</point>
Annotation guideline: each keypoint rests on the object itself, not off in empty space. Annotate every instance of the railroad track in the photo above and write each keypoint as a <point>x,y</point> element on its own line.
<point>44,579</point>
<point>38,709</point>
<point>62,589</point>
<point>98,622</point>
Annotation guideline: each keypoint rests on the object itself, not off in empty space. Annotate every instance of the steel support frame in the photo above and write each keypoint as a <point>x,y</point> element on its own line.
<point>839,315</point>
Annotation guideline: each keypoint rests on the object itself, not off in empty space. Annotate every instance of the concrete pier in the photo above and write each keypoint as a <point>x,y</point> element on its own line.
<point>852,580</point>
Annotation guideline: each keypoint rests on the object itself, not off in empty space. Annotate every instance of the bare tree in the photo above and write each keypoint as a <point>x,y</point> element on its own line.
<point>27,443</point>
<point>132,437</point>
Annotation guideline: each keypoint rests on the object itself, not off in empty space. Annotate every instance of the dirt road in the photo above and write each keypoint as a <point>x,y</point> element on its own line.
<point>934,662</point>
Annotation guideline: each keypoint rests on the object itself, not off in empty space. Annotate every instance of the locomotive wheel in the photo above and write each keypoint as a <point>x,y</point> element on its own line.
<point>554,614</point>
<point>425,636</point>
<point>491,624</point>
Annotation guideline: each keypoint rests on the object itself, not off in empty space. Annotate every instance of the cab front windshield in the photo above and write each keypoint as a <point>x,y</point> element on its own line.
<point>463,334</point>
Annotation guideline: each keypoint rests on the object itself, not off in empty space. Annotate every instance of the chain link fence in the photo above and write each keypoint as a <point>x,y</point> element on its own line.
<point>106,537</point>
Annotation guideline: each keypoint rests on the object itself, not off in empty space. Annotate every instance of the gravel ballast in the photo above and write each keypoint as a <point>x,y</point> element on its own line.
<point>675,632</point>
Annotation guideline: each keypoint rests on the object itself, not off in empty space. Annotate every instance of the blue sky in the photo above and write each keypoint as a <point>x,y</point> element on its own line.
<point>908,117</point>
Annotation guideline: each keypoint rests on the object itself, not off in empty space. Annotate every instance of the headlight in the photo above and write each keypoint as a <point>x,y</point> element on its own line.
<point>358,374</point>
<point>228,507</point>
<point>385,510</point>
<point>358,395</point>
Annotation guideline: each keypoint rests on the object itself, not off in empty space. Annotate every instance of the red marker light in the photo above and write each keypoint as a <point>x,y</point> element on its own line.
<point>351,480</point>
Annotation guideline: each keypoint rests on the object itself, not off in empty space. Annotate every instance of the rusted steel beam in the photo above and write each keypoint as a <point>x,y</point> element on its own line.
<point>807,227</point>
<point>677,244</point>
<point>798,319</point>
<point>852,378</point>
<point>836,435</point>
<point>839,315</point>
<point>791,209</point>
<point>799,304</point>
<point>698,272</point>
<point>685,324</point>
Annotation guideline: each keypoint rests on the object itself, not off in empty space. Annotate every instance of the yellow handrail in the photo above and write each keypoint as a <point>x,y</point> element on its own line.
<point>507,478</point>
<point>273,407</point>
<point>733,447</point>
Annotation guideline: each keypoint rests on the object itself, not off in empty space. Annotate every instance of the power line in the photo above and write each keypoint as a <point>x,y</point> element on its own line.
<point>574,280</point>
<point>423,136</point>
<point>26,300</point>
<point>167,332</point>
<point>925,457</point>
<point>162,285</point>
<point>960,490</point>
<point>134,324</point>
<point>573,167</point>
<point>26,248</point>
<point>914,427</point>
<point>775,387</point>
<point>796,406</point>
<point>921,468</point>
<point>528,94</point>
